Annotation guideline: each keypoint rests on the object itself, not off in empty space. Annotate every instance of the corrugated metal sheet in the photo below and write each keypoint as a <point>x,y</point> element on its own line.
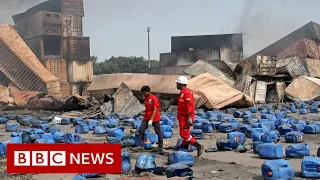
<point>303,89</point>
<point>201,67</point>
<point>295,68</point>
<point>73,7</point>
<point>261,92</point>
<point>206,54</point>
<point>65,88</point>
<point>21,66</point>
<point>168,59</point>
<point>302,48</point>
<point>185,58</point>
<point>253,89</point>
<point>247,85</point>
<point>224,67</point>
<point>58,68</point>
<point>226,54</point>
<point>158,83</point>
<point>80,71</point>
<point>280,88</point>
<point>312,66</point>
<point>241,82</point>
<point>218,93</point>
<point>78,49</point>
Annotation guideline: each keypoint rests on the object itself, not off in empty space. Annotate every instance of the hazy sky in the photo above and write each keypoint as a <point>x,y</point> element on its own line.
<point>118,27</point>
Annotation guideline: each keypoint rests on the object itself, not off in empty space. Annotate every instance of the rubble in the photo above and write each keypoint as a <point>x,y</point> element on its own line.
<point>217,93</point>
<point>201,67</point>
<point>304,89</point>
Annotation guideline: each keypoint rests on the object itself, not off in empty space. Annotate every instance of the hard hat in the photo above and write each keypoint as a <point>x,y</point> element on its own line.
<point>182,80</point>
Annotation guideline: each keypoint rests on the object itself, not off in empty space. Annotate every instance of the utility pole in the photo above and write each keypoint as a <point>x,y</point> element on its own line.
<point>148,30</point>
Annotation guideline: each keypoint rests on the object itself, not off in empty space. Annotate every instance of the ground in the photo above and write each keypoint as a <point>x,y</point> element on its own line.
<point>215,165</point>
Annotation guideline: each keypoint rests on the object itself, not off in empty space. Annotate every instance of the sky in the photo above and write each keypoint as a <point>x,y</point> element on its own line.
<point>119,27</point>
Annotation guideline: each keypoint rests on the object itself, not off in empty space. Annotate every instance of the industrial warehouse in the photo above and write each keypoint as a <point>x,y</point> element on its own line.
<point>216,112</point>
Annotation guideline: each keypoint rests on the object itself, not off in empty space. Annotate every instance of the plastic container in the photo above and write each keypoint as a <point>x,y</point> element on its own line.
<point>65,121</point>
<point>314,109</point>
<point>265,126</point>
<point>294,137</point>
<point>82,129</point>
<point>197,126</point>
<point>114,140</point>
<point>270,151</point>
<point>197,133</point>
<point>256,136</point>
<point>25,121</point>
<point>145,162</point>
<point>126,162</point>
<point>129,140</point>
<point>43,127</point>
<point>44,141</point>
<point>15,140</point>
<point>99,130</point>
<point>3,120</point>
<point>92,123</point>
<point>284,129</point>
<point>53,128</point>
<point>207,127</point>
<point>181,157</point>
<point>273,136</point>
<point>246,118</point>
<point>178,169</point>
<point>166,131</point>
<point>297,150</point>
<point>310,167</point>
<point>237,137</point>
<point>72,138</point>
<point>46,136</point>
<point>3,149</point>
<point>35,123</point>
<point>228,127</point>
<point>128,122</point>
<point>281,115</point>
<point>277,169</point>
<point>178,146</point>
<point>58,137</point>
<point>303,111</point>
<point>312,128</point>
<point>244,129</point>
<point>12,127</point>
<point>255,146</point>
<point>254,130</point>
<point>225,144</point>
<point>237,114</point>
<point>253,109</point>
<point>16,134</point>
<point>293,110</point>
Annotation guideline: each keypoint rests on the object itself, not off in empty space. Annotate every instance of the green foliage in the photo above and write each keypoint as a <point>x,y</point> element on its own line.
<point>122,65</point>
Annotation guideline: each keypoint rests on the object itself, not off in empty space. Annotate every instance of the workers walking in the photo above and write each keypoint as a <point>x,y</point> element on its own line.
<point>186,111</point>
<point>151,117</point>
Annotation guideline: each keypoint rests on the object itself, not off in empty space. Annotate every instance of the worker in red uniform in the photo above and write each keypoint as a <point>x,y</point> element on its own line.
<point>186,115</point>
<point>151,117</point>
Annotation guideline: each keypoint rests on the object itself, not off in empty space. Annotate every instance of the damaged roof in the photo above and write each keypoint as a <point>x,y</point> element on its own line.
<point>201,67</point>
<point>218,93</point>
<point>158,83</point>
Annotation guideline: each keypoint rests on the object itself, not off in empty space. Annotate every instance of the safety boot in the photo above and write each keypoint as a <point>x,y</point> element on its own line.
<point>199,148</point>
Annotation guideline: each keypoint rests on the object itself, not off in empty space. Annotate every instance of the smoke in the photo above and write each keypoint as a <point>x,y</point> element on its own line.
<point>264,22</point>
<point>12,7</point>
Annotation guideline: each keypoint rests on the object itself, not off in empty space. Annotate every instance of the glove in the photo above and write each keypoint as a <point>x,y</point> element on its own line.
<point>190,123</point>
<point>150,123</point>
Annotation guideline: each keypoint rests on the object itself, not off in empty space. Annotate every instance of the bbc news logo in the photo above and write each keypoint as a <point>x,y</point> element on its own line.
<point>64,158</point>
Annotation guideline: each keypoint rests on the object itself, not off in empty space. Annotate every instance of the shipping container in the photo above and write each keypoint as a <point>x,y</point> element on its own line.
<point>280,87</point>
<point>72,26</point>
<point>266,66</point>
<point>68,7</point>
<point>58,68</point>
<point>40,24</point>
<point>295,68</point>
<point>80,71</point>
<point>185,58</point>
<point>261,92</point>
<point>226,54</point>
<point>207,54</point>
<point>65,89</point>
<point>78,49</point>
<point>168,59</point>
<point>312,66</point>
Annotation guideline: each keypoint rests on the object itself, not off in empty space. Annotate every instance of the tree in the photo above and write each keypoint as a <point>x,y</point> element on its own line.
<point>122,65</point>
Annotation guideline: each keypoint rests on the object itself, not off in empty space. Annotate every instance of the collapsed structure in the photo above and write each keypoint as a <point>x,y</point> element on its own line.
<point>53,31</point>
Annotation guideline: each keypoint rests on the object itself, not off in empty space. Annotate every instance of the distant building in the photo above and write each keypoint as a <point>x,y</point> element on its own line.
<point>53,31</point>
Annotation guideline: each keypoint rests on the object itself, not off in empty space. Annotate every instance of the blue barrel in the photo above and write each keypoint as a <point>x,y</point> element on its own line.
<point>253,109</point>
<point>228,127</point>
<point>237,137</point>
<point>247,118</point>
<point>197,133</point>
<point>128,122</point>
<point>3,148</point>
<point>116,132</point>
<point>72,138</point>
<point>312,128</point>
<point>297,150</point>
<point>270,151</point>
<point>272,136</point>
<point>82,129</point>
<point>207,127</point>
<point>294,137</point>
<point>197,126</point>
<point>152,136</point>
<point>3,120</point>
<point>256,136</point>
<point>237,114</point>
<point>65,121</point>
<point>284,129</point>
<point>277,169</point>
<point>12,127</point>
<point>53,128</point>
<point>44,127</point>
<point>166,131</point>
<point>44,141</point>
<point>265,126</point>
<point>58,137</point>
<point>255,146</point>
<point>244,129</point>
<point>125,162</point>
<point>92,123</point>
<point>281,115</point>
<point>310,167</point>
<point>181,157</point>
<point>293,110</point>
<point>303,111</point>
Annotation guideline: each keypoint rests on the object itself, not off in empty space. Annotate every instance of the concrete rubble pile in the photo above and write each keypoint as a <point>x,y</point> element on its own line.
<point>278,72</point>
<point>33,100</point>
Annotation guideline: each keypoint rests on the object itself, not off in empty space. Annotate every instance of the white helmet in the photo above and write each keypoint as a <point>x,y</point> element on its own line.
<point>182,80</point>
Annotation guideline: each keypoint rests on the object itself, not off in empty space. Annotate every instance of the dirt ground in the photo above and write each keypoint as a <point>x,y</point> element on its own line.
<point>214,165</point>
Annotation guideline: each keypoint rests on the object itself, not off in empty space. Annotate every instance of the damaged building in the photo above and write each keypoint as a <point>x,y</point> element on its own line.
<point>266,75</point>
<point>53,31</point>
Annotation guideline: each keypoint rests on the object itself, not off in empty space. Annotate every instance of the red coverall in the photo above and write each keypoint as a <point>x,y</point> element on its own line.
<point>186,108</point>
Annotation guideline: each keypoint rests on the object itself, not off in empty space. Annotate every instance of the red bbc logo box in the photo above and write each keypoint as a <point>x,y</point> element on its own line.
<point>64,158</point>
